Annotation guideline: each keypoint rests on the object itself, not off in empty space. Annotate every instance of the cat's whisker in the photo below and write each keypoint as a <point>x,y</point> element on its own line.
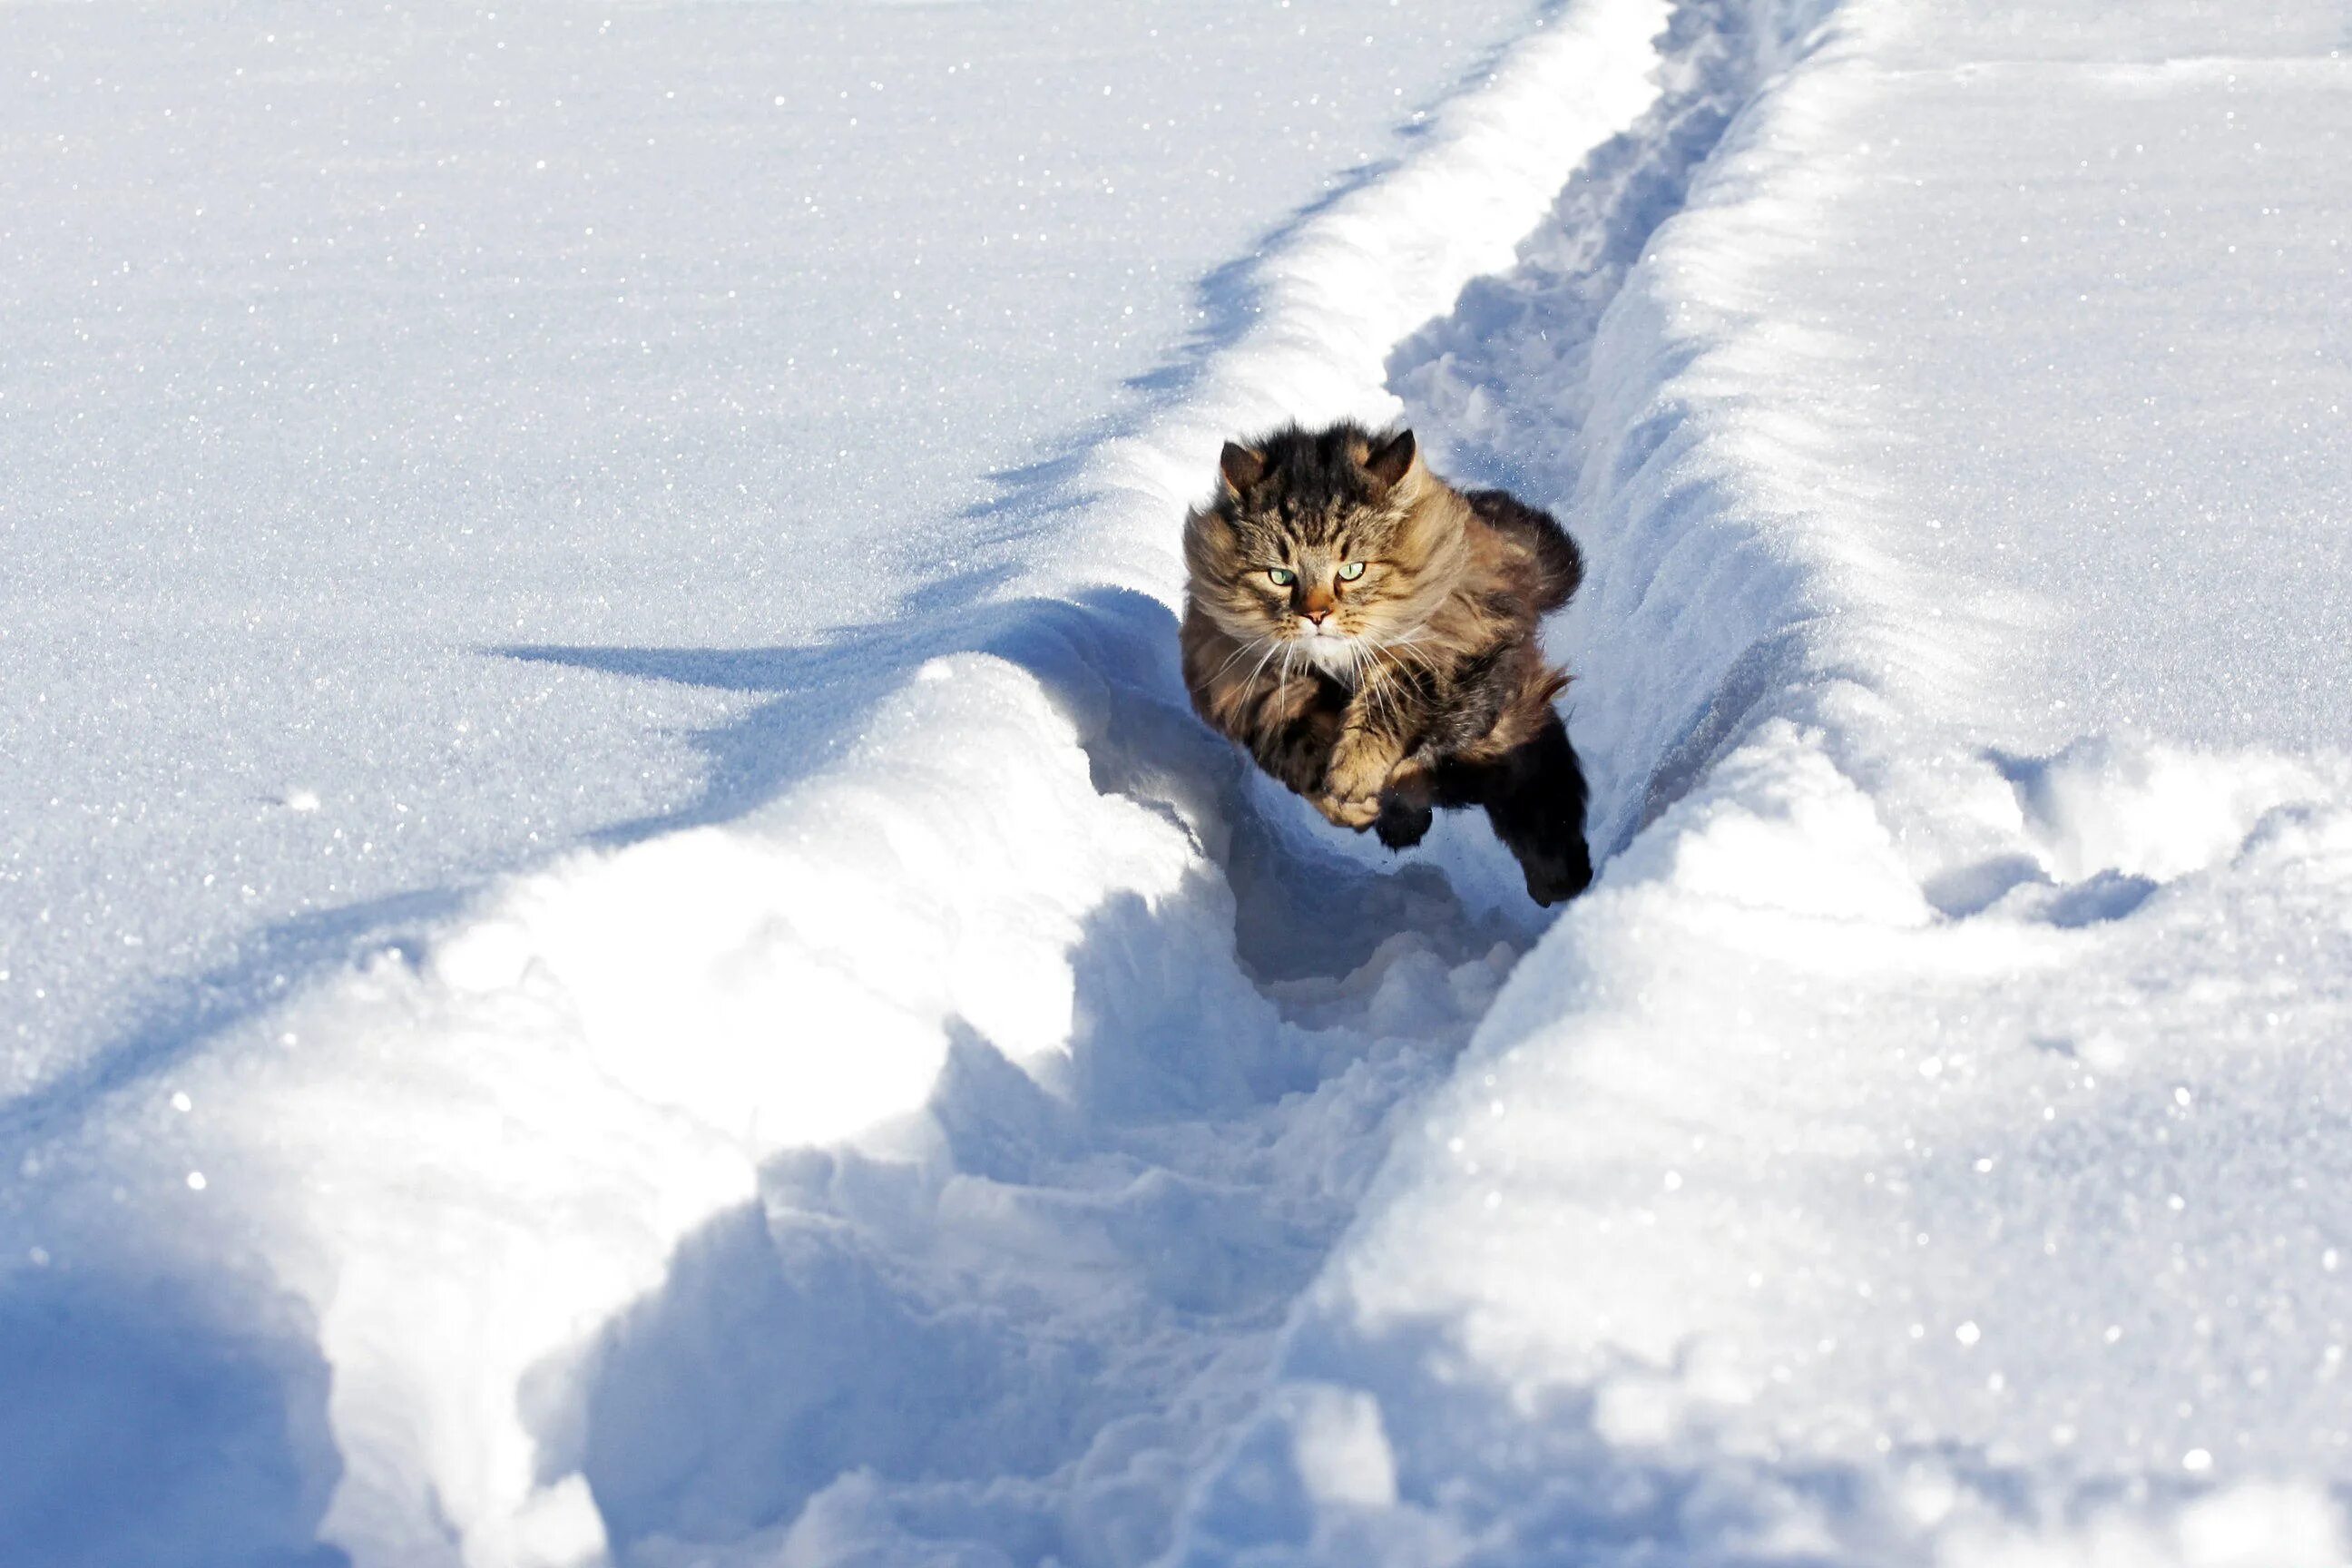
<point>1356,672</point>
<point>1273,647</point>
<point>1429,657</point>
<point>1385,700</point>
<point>1409,639</point>
<point>1239,654</point>
<point>1383,692</point>
<point>1374,708</point>
<point>1397,696</point>
<point>1406,657</point>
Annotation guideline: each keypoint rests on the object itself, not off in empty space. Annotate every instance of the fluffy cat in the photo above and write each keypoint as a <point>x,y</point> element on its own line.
<point>1368,632</point>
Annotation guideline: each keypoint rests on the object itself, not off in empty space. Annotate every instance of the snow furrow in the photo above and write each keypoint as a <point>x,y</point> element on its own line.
<point>1888,1162</point>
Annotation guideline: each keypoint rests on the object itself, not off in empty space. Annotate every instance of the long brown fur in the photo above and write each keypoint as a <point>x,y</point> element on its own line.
<point>1416,683</point>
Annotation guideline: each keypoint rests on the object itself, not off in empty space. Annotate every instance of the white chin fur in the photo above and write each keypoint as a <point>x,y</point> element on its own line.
<point>1330,654</point>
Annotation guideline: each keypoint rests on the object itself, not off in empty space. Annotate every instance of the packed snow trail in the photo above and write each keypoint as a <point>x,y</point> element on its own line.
<point>1927,1144</point>
<point>926,1153</point>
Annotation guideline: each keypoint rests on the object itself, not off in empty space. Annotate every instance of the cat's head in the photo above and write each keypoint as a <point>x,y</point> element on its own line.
<point>1333,541</point>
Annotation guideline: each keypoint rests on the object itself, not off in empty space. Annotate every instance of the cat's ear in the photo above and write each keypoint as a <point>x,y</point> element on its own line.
<point>1241,466</point>
<point>1392,460</point>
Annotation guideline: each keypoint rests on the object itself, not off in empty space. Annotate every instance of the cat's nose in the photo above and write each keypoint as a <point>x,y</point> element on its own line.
<point>1315,617</point>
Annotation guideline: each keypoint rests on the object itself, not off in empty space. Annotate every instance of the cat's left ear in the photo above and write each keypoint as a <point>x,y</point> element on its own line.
<point>1392,460</point>
<point>1241,466</point>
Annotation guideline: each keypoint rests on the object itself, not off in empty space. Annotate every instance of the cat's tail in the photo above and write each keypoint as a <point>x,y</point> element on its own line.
<point>1559,563</point>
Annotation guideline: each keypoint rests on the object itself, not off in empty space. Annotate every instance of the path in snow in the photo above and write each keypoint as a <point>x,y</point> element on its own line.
<point>1039,1332</point>
<point>1926,1145</point>
<point>1030,1333</point>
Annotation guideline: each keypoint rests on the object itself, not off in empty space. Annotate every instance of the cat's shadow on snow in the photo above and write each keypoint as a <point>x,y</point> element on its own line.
<point>959,1312</point>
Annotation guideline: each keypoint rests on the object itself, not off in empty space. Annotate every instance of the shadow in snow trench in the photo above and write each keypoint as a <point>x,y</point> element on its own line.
<point>137,1430</point>
<point>1019,1328</point>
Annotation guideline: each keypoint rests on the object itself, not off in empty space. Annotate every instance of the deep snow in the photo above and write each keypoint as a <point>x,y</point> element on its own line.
<point>983,1125</point>
<point>351,351</point>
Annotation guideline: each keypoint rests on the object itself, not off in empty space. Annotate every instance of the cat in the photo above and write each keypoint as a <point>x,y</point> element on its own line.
<point>1367,632</point>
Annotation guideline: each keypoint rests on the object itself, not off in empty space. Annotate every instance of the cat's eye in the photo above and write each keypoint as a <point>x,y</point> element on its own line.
<point>1283,575</point>
<point>1351,571</point>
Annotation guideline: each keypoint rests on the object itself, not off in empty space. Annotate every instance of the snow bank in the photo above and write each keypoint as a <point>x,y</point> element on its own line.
<point>518,1131</point>
<point>1922,1146</point>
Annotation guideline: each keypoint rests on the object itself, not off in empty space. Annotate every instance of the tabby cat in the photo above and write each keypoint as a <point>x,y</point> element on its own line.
<point>1368,632</point>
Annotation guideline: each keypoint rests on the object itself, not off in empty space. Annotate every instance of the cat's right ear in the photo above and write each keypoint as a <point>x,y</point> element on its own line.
<point>1392,460</point>
<point>1241,466</point>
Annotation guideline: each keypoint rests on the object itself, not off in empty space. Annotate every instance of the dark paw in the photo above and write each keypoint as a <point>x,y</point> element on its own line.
<point>1402,823</point>
<point>1556,879</point>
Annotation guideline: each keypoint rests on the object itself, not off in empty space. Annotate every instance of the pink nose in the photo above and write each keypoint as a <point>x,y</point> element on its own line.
<point>1314,615</point>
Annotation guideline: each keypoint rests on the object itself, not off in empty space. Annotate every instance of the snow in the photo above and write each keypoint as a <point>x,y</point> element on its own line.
<point>1920,1148</point>
<point>654,345</point>
<point>918,1099</point>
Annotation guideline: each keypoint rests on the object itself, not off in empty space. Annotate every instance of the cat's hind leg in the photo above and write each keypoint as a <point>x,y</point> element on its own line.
<point>1534,797</point>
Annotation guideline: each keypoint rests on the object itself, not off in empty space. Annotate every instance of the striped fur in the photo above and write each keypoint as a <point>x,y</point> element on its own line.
<point>1415,681</point>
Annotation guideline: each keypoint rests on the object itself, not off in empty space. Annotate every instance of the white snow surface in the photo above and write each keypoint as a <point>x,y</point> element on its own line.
<point>945,1111</point>
<point>438,437</point>
<point>1927,1144</point>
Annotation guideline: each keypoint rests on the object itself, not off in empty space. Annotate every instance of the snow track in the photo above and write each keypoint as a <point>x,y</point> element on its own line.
<point>1877,1168</point>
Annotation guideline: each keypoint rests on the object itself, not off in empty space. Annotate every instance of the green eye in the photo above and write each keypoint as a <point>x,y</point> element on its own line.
<point>1283,575</point>
<point>1351,571</point>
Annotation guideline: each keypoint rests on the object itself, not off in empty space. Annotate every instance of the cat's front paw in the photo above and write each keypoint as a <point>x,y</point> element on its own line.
<point>1357,769</point>
<point>1351,811</point>
<point>1353,784</point>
